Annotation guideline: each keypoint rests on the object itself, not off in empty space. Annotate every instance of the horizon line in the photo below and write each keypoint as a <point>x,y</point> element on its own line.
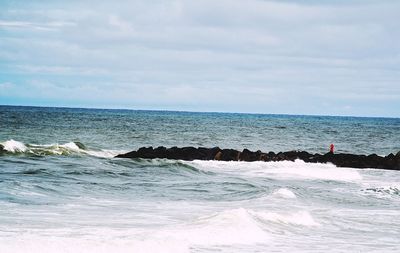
<point>194,111</point>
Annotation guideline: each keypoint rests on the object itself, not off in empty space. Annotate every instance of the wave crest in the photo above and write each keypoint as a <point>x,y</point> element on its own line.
<point>234,226</point>
<point>284,193</point>
<point>302,218</point>
<point>69,148</point>
<point>13,146</point>
<point>282,170</point>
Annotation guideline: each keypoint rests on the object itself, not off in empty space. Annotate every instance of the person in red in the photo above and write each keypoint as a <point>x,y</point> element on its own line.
<point>331,148</point>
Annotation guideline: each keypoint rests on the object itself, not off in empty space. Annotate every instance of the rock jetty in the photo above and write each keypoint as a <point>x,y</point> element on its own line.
<point>390,162</point>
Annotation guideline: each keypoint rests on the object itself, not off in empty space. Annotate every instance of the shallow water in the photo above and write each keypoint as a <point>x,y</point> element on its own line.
<point>61,190</point>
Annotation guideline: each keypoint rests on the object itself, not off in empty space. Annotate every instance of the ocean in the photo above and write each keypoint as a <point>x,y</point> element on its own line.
<point>62,190</point>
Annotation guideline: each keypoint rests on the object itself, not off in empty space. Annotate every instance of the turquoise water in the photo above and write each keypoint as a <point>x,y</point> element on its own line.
<point>61,190</point>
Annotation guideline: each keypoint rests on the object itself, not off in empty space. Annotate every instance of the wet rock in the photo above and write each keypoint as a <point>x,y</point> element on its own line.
<point>247,155</point>
<point>230,155</point>
<point>210,153</point>
<point>390,161</point>
<point>146,152</point>
<point>218,156</point>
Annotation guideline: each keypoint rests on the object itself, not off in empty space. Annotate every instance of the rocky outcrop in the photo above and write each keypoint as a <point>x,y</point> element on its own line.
<point>390,161</point>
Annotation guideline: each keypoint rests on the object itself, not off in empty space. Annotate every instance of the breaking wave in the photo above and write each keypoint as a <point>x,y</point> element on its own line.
<point>229,227</point>
<point>301,218</point>
<point>70,148</point>
<point>235,226</point>
<point>282,170</point>
<point>284,193</point>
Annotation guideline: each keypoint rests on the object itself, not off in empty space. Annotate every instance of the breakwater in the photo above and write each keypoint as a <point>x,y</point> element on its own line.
<point>391,161</point>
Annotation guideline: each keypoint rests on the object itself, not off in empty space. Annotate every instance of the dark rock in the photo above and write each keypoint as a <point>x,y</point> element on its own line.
<point>248,156</point>
<point>132,154</point>
<point>173,153</point>
<point>390,156</point>
<point>280,157</point>
<point>303,155</point>
<point>210,153</point>
<point>218,156</point>
<point>160,152</point>
<point>230,155</point>
<point>191,153</point>
<point>293,155</point>
<point>144,152</point>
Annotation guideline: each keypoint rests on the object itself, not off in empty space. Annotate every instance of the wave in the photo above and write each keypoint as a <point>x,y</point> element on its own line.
<point>282,170</point>
<point>284,193</point>
<point>13,146</point>
<point>167,166</point>
<point>302,218</point>
<point>235,226</point>
<point>70,148</point>
<point>229,227</point>
<point>384,191</point>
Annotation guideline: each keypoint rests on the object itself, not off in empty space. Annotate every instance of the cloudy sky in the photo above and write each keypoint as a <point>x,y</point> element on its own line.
<point>294,57</point>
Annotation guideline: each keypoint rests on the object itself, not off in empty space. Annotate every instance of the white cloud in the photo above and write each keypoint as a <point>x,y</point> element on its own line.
<point>50,26</point>
<point>277,55</point>
<point>6,86</point>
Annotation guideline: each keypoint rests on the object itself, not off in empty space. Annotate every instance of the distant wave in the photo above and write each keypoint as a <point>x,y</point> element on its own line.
<point>70,148</point>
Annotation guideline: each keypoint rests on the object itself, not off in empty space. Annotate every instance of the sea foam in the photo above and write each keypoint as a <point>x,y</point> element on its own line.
<point>302,218</point>
<point>232,226</point>
<point>282,170</point>
<point>68,148</point>
<point>97,243</point>
<point>284,193</point>
<point>14,146</point>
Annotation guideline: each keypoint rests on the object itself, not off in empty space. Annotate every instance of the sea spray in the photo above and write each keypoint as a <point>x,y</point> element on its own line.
<point>284,170</point>
<point>13,146</point>
<point>284,193</point>
<point>69,148</point>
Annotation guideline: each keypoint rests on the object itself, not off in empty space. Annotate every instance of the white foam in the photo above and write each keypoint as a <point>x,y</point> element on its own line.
<point>236,226</point>
<point>104,153</point>
<point>284,169</point>
<point>56,149</point>
<point>284,193</point>
<point>71,146</point>
<point>58,244</point>
<point>385,190</point>
<point>302,218</point>
<point>14,146</point>
<point>229,227</point>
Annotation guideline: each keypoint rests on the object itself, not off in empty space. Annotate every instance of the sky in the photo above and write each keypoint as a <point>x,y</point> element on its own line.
<point>282,57</point>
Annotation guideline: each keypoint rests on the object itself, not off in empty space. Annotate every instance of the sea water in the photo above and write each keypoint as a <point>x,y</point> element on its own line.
<point>61,190</point>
